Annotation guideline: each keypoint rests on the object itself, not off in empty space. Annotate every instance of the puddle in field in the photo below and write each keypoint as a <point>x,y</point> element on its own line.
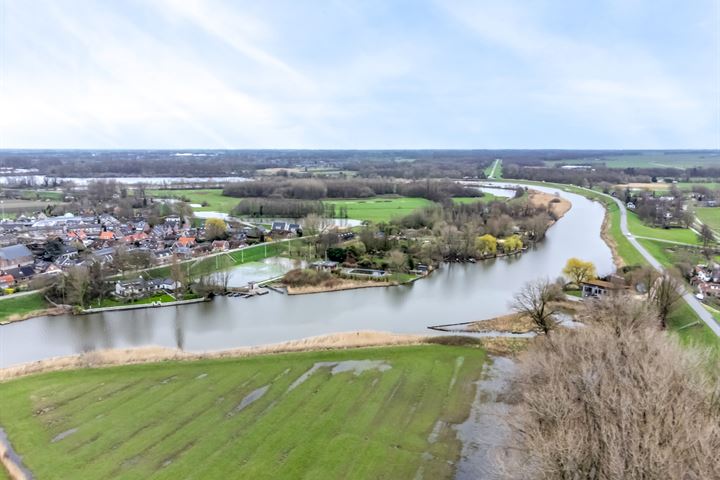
<point>355,366</point>
<point>64,434</point>
<point>485,434</point>
<point>11,458</point>
<point>251,397</point>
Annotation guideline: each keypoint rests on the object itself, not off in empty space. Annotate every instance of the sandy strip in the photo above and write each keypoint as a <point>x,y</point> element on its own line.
<point>559,209</point>
<point>113,357</point>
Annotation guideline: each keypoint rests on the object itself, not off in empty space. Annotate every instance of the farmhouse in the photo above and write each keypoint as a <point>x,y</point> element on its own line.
<point>598,288</point>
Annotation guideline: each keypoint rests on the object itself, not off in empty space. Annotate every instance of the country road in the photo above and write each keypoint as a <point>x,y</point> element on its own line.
<point>701,312</point>
<point>492,172</point>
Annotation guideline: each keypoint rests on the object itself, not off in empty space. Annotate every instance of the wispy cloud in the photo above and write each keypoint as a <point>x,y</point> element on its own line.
<point>450,73</point>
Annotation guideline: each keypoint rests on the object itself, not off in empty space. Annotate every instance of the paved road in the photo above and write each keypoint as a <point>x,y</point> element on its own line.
<point>701,312</point>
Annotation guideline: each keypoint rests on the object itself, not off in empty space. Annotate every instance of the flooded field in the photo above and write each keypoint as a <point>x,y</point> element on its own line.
<point>368,413</point>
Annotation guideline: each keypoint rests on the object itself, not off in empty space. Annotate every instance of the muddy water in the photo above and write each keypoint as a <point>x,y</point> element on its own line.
<point>455,293</point>
<point>485,435</point>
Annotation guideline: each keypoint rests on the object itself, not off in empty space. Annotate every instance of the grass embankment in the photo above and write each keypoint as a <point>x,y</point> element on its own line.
<point>682,235</point>
<point>709,216</point>
<point>21,306</point>
<point>214,263</point>
<point>216,201</point>
<point>179,419</point>
<point>379,209</point>
<point>160,297</point>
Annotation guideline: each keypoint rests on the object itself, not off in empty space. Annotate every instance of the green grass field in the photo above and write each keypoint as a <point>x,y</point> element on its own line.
<point>220,262</point>
<point>216,201</point>
<point>709,216</point>
<point>487,197</point>
<point>22,305</point>
<point>379,209</point>
<point>175,420</point>
<point>698,334</point>
<point>682,235</point>
<point>498,171</point>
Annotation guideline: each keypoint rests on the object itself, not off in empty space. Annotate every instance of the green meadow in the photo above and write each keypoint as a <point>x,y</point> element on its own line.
<point>379,209</point>
<point>216,201</point>
<point>387,415</point>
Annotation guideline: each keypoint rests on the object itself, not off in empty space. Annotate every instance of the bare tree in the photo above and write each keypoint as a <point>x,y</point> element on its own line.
<point>706,236</point>
<point>665,292</point>
<point>616,400</point>
<point>534,301</point>
<point>77,285</point>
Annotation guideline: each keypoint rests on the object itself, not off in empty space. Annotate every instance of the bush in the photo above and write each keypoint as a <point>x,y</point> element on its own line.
<point>455,341</point>
<point>309,278</point>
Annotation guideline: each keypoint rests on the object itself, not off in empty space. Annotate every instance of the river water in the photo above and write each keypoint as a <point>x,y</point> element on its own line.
<point>454,293</point>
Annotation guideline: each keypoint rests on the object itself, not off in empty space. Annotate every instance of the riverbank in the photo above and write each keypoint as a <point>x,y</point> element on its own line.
<point>45,312</point>
<point>142,355</point>
<point>609,239</point>
<point>557,206</point>
<point>138,306</point>
<point>88,423</point>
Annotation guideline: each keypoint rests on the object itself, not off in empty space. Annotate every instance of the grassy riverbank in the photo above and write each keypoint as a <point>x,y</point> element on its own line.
<point>21,306</point>
<point>379,423</point>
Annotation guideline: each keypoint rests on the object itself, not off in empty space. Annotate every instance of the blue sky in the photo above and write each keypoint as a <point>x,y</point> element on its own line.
<point>360,74</point>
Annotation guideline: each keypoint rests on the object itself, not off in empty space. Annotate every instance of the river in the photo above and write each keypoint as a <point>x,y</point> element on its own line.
<point>454,293</point>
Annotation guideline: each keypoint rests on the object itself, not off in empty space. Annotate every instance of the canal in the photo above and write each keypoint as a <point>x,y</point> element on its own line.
<point>454,293</point>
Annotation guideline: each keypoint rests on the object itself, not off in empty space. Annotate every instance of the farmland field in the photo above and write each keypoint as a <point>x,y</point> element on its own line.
<point>709,216</point>
<point>653,160</point>
<point>388,415</point>
<point>682,235</point>
<point>379,209</point>
<point>216,201</point>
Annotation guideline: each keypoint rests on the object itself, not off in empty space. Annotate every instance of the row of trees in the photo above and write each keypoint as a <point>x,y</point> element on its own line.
<point>318,189</point>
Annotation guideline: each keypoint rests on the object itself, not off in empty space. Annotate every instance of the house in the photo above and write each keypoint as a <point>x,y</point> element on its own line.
<point>21,273</point>
<point>598,288</point>
<point>326,265</point>
<point>6,281</point>
<point>220,246</point>
<point>186,241</point>
<point>141,287</point>
<point>279,227</point>
<point>15,256</point>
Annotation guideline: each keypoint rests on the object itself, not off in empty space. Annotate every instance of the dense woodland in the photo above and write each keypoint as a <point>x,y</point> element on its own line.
<point>415,164</point>
<point>317,189</point>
